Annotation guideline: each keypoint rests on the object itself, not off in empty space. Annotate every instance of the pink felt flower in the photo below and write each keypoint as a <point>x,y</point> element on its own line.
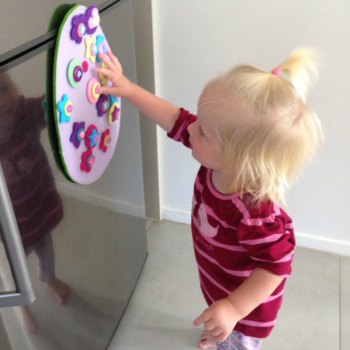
<point>87,161</point>
<point>105,140</point>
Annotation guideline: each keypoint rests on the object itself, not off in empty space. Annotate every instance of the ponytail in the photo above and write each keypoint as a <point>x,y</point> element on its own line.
<point>301,67</point>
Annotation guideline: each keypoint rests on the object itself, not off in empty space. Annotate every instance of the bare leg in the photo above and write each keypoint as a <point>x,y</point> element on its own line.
<point>46,259</point>
<point>59,289</point>
<point>28,319</point>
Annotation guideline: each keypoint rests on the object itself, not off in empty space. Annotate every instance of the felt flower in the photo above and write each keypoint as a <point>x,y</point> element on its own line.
<point>78,134</point>
<point>92,19</point>
<point>114,111</point>
<point>103,78</point>
<point>102,105</point>
<point>92,136</point>
<point>65,107</point>
<point>78,29</point>
<point>75,71</point>
<point>91,50</point>
<point>87,161</point>
<point>105,140</point>
<point>101,45</point>
<point>93,90</point>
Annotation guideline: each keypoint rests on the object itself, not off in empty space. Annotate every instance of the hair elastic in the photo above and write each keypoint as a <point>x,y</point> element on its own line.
<point>276,71</point>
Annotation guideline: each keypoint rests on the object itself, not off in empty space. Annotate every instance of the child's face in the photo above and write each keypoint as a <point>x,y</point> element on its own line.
<point>205,144</point>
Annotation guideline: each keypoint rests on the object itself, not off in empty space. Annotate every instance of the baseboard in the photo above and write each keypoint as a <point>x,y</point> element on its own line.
<point>304,240</point>
<point>101,201</point>
<point>324,244</point>
<point>176,215</point>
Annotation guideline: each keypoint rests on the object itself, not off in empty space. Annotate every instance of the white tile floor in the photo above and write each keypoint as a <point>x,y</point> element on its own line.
<point>167,299</point>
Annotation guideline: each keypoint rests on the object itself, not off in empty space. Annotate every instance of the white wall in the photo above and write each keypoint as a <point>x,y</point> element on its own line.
<point>195,40</point>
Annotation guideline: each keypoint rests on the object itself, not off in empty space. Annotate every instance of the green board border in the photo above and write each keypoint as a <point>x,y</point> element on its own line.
<point>57,20</point>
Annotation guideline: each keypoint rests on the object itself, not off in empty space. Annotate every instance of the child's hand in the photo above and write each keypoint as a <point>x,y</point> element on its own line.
<point>113,71</point>
<point>219,319</point>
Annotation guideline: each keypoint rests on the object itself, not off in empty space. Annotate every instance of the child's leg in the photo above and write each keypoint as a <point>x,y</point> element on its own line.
<point>46,258</point>
<point>239,341</point>
<point>59,289</point>
<point>28,319</point>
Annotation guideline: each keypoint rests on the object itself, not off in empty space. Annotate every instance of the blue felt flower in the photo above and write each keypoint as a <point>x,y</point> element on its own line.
<point>101,46</point>
<point>65,107</point>
<point>92,136</point>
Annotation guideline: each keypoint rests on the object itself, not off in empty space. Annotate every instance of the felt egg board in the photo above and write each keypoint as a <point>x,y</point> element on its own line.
<point>85,126</point>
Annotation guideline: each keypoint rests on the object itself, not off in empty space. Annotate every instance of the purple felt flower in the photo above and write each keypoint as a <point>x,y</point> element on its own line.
<point>78,29</point>
<point>102,105</point>
<point>114,114</point>
<point>78,134</point>
<point>92,19</point>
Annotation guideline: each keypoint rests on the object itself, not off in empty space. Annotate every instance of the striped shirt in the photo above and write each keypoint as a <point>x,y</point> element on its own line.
<point>35,200</point>
<point>231,239</point>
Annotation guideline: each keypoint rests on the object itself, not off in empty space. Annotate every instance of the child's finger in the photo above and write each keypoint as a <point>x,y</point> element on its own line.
<point>101,70</point>
<point>102,57</point>
<point>210,326</point>
<point>110,54</point>
<point>106,72</point>
<point>107,61</point>
<point>200,320</point>
<point>113,58</point>
<point>216,332</point>
<point>107,90</point>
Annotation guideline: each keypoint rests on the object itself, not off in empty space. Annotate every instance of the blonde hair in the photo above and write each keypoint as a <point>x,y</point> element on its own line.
<point>267,131</point>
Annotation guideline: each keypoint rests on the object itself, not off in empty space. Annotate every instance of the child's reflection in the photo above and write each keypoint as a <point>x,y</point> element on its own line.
<point>36,202</point>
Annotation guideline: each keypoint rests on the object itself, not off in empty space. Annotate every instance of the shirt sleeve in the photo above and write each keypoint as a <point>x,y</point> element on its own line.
<point>270,242</point>
<point>179,132</point>
<point>34,110</point>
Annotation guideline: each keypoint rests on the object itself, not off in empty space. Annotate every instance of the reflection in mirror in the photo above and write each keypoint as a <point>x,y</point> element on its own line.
<point>98,232</point>
<point>36,203</point>
<point>7,283</point>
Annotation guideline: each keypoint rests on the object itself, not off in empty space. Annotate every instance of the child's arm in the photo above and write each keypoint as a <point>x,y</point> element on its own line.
<point>160,111</point>
<point>34,109</point>
<point>221,317</point>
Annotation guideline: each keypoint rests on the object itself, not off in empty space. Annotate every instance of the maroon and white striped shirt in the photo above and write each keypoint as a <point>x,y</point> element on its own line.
<point>231,239</point>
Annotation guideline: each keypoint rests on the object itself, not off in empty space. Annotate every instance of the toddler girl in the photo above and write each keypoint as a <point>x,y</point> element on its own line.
<point>252,135</point>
